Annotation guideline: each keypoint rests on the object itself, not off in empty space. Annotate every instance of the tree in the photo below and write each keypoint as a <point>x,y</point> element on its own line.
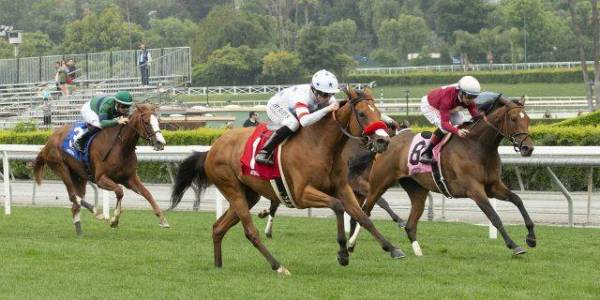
<point>468,46</point>
<point>35,44</point>
<point>281,67</point>
<point>343,34</point>
<point>399,37</point>
<point>105,31</point>
<point>170,32</point>
<point>227,26</point>
<point>230,66</point>
<point>465,15</point>
<point>50,17</point>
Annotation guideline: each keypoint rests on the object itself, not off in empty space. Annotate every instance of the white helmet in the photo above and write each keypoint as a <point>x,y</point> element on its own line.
<point>324,81</point>
<point>469,85</point>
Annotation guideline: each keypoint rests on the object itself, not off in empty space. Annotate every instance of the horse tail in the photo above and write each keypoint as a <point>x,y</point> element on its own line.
<point>190,171</point>
<point>38,166</point>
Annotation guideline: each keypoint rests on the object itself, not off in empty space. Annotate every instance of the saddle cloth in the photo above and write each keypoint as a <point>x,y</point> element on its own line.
<point>77,130</point>
<point>271,173</point>
<point>417,147</point>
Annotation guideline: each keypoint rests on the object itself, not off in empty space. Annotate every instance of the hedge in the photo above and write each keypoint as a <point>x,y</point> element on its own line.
<point>537,179</point>
<point>591,119</point>
<point>510,77</point>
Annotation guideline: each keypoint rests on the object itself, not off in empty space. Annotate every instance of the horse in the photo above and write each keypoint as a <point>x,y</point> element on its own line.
<point>359,182</point>
<point>471,167</point>
<point>112,162</point>
<point>313,168</point>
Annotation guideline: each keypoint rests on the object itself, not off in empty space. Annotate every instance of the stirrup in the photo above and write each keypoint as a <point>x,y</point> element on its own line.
<point>77,147</point>
<point>426,159</point>
<point>265,158</point>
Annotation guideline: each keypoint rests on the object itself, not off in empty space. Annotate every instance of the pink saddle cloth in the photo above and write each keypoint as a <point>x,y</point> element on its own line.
<point>418,145</point>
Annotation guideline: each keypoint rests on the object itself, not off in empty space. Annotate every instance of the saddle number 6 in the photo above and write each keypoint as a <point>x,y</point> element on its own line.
<point>415,155</point>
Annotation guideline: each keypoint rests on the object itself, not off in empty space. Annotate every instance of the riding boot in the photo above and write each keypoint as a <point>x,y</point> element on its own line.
<point>427,155</point>
<point>79,145</point>
<point>265,156</point>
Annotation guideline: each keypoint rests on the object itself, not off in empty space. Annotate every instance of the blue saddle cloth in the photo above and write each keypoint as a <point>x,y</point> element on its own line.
<point>77,130</point>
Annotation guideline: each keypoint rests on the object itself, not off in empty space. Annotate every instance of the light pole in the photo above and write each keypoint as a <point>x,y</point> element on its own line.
<point>525,34</point>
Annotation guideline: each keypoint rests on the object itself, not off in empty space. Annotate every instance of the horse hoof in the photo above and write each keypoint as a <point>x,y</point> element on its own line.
<point>99,216</point>
<point>78,230</point>
<point>114,223</point>
<point>396,253</point>
<point>269,235</point>
<point>263,213</point>
<point>283,271</point>
<point>531,242</point>
<point>164,225</point>
<point>343,259</point>
<point>401,224</point>
<point>518,251</point>
<point>351,249</point>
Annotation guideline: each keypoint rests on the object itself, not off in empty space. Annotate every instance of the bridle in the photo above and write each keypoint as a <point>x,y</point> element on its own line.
<point>511,137</point>
<point>147,133</point>
<point>362,137</point>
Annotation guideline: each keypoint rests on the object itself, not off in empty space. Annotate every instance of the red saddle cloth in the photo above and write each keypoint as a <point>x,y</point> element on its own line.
<point>254,144</point>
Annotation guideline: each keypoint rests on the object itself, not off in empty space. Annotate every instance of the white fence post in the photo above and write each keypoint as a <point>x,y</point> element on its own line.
<point>6,173</point>
<point>105,205</point>
<point>218,203</point>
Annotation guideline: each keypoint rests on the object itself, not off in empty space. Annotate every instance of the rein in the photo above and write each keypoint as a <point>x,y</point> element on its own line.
<point>145,135</point>
<point>511,137</point>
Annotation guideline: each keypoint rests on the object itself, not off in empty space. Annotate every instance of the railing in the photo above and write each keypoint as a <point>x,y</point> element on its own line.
<point>544,156</point>
<point>97,66</point>
<point>239,90</point>
<point>470,67</point>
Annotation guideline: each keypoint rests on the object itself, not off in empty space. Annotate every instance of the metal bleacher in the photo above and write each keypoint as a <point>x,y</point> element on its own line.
<point>108,73</point>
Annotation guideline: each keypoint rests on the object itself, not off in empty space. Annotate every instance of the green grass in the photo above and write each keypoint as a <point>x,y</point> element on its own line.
<point>41,258</point>
<point>512,90</point>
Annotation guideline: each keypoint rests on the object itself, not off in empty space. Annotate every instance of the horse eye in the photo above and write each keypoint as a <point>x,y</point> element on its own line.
<point>362,114</point>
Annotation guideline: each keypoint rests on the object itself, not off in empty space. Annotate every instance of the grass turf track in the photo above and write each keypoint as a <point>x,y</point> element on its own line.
<point>41,258</point>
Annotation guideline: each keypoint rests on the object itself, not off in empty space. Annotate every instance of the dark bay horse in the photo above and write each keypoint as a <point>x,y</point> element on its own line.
<point>119,167</point>
<point>471,167</point>
<point>313,167</point>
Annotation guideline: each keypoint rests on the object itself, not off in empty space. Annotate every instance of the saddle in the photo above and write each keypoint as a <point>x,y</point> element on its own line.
<point>271,173</point>
<point>417,147</point>
<point>78,129</point>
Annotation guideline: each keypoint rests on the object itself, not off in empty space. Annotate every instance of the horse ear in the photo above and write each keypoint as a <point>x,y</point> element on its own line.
<point>347,90</point>
<point>522,100</point>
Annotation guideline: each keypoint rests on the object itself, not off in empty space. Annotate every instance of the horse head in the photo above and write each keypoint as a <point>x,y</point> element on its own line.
<point>511,121</point>
<point>145,122</point>
<point>364,119</point>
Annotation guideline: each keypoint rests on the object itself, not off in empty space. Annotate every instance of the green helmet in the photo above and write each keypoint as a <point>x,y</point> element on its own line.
<point>124,98</point>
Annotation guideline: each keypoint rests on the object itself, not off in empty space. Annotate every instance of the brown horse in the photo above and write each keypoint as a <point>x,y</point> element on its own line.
<point>471,166</point>
<point>312,165</point>
<point>359,182</point>
<point>119,167</point>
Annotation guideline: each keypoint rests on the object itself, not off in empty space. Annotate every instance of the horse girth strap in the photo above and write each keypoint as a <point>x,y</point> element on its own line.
<point>112,143</point>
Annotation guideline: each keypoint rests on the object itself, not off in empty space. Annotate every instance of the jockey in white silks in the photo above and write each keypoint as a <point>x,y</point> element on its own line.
<point>296,106</point>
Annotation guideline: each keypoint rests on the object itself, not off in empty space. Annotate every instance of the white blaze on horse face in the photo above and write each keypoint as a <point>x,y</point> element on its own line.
<point>522,115</point>
<point>372,108</point>
<point>381,132</point>
<point>156,128</point>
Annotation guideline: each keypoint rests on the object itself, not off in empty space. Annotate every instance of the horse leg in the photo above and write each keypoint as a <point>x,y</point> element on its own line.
<point>271,213</point>
<point>136,185</point>
<point>351,206</point>
<point>107,184</point>
<point>239,202</point>
<point>64,173</point>
<point>220,228</point>
<point>417,195</point>
<point>381,202</point>
<point>500,191</point>
<point>483,202</point>
<point>312,197</point>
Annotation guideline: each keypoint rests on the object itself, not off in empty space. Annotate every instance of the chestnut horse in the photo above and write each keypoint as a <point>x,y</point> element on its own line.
<point>119,167</point>
<point>359,182</point>
<point>313,168</point>
<point>471,167</point>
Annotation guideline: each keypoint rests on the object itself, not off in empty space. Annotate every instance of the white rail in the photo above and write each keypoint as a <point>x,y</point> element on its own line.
<point>470,67</point>
<point>543,156</point>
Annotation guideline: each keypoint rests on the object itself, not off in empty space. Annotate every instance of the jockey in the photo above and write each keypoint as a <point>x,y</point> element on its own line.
<point>299,105</point>
<point>440,106</point>
<point>103,112</point>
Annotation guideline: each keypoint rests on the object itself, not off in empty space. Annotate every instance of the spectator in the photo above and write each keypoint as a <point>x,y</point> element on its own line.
<point>144,61</point>
<point>61,77</point>
<point>46,106</point>
<point>71,74</point>
<point>252,120</point>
